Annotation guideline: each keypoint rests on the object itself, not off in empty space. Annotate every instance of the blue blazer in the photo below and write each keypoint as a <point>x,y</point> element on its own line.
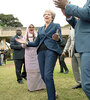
<point>46,37</point>
<point>82,26</point>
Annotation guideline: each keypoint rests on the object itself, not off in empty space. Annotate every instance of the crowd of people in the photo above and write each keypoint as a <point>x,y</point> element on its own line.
<point>37,53</point>
<point>3,56</point>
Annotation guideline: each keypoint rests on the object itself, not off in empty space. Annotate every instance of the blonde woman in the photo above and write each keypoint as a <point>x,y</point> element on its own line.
<point>48,49</point>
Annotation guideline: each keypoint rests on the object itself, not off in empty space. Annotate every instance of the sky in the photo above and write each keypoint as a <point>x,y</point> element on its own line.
<point>31,11</point>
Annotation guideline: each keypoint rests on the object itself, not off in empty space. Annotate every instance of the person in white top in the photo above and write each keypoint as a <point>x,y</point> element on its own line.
<point>34,80</point>
<point>75,59</point>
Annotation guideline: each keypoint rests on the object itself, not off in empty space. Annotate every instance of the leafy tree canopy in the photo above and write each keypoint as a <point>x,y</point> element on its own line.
<point>9,21</point>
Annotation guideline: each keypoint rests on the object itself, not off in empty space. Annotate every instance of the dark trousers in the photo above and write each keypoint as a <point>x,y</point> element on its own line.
<point>0,63</point>
<point>0,60</point>
<point>62,63</point>
<point>18,68</point>
<point>47,60</point>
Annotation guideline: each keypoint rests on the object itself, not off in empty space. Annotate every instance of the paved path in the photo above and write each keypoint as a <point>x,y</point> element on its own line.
<point>67,60</point>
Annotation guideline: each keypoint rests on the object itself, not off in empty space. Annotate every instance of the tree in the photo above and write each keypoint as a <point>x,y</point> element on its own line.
<point>9,20</point>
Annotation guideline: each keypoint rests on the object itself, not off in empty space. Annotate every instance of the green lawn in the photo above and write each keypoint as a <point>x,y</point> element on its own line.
<point>11,90</point>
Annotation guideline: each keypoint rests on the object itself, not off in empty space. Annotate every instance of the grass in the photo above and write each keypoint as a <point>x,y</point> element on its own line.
<point>11,90</point>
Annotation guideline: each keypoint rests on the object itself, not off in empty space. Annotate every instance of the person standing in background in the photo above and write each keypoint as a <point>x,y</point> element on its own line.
<point>34,80</point>
<point>75,58</point>
<point>5,56</point>
<point>0,58</point>
<point>62,63</point>
<point>2,55</point>
<point>18,56</point>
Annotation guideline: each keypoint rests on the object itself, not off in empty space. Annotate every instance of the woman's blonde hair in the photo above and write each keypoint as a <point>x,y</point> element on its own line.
<point>52,14</point>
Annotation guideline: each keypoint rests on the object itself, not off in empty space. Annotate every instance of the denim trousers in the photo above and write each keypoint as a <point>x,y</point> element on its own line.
<point>85,73</point>
<point>47,60</point>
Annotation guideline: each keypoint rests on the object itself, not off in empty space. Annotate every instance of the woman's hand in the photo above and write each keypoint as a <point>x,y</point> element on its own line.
<point>21,40</point>
<point>56,36</point>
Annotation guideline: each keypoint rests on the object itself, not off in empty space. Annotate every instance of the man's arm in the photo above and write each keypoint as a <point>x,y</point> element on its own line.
<point>72,21</point>
<point>82,13</point>
<point>66,48</point>
<point>73,10</point>
<point>68,43</point>
<point>13,45</point>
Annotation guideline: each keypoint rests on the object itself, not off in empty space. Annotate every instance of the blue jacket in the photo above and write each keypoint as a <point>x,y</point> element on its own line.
<point>46,37</point>
<point>82,26</point>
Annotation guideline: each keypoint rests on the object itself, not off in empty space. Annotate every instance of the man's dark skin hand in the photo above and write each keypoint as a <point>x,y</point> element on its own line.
<point>60,3</point>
